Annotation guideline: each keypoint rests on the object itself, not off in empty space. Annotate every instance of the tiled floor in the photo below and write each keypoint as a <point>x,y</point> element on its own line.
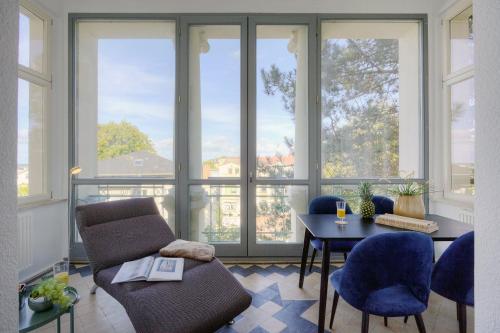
<point>278,306</point>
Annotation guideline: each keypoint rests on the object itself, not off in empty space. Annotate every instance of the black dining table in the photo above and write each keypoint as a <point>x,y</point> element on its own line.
<point>323,227</point>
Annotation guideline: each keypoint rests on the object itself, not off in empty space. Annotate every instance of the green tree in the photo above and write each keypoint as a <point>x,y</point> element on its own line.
<point>360,105</point>
<point>116,139</point>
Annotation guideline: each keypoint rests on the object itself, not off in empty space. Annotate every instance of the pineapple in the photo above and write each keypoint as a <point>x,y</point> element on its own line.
<point>366,208</point>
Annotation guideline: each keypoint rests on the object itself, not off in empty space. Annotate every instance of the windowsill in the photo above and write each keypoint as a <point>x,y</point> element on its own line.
<point>464,204</point>
<point>39,203</point>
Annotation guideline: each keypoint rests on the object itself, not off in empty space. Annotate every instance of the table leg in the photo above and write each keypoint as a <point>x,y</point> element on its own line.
<point>323,293</point>
<point>59,324</point>
<point>305,252</point>
<point>72,320</point>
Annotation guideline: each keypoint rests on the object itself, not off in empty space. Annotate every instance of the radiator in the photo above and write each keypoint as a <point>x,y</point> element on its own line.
<point>466,216</point>
<point>24,240</point>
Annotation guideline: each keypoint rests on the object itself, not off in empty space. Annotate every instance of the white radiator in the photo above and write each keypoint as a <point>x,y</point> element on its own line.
<point>466,216</point>
<point>24,239</point>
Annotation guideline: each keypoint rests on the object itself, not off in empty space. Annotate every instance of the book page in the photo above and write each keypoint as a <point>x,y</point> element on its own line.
<point>136,270</point>
<point>167,269</point>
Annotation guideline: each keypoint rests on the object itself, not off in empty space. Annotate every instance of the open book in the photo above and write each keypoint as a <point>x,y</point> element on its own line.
<point>151,269</point>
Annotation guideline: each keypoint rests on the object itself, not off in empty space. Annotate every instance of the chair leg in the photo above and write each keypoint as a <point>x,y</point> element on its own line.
<point>420,323</point>
<point>345,256</point>
<point>312,260</point>
<point>385,321</point>
<point>462,318</point>
<point>406,319</point>
<point>93,289</point>
<point>365,322</point>
<point>334,307</point>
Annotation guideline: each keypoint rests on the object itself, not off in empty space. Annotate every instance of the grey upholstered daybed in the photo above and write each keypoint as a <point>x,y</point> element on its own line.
<point>207,298</point>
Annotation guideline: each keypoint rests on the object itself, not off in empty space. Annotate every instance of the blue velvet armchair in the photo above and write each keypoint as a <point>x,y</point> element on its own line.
<point>453,276</point>
<point>387,275</point>
<point>383,205</point>
<point>327,204</point>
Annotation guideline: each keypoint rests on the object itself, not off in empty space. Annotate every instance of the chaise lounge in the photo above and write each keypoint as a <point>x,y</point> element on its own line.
<point>207,298</point>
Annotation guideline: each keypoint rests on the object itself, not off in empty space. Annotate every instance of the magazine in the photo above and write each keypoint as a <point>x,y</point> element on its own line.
<point>151,269</point>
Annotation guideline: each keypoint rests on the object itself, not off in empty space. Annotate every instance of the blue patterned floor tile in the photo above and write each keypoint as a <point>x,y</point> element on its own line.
<point>259,329</point>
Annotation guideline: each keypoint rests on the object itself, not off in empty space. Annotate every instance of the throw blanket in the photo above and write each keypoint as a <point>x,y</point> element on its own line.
<point>191,250</point>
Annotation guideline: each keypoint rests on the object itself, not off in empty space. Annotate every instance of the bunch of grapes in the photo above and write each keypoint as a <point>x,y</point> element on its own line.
<point>54,291</point>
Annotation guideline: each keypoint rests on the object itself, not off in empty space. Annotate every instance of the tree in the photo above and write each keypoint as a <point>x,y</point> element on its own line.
<point>360,105</point>
<point>116,139</point>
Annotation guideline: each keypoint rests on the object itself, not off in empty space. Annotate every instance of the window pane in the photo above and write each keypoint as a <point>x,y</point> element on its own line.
<point>277,209</point>
<point>282,101</point>
<point>164,196</point>
<point>370,97</point>
<point>30,142</point>
<point>214,101</point>
<point>126,98</point>
<point>215,213</point>
<point>349,193</point>
<point>462,137</point>
<point>461,40</point>
<point>31,43</point>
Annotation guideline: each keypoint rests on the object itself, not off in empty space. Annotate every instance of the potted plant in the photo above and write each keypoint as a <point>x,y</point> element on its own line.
<point>409,201</point>
<point>48,293</point>
<point>367,207</point>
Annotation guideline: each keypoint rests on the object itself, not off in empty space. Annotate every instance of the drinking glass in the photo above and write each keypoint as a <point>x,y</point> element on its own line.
<point>341,212</point>
<point>61,271</point>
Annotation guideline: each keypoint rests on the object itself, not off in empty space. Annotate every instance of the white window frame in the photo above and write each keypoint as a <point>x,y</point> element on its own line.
<point>42,79</point>
<point>448,79</point>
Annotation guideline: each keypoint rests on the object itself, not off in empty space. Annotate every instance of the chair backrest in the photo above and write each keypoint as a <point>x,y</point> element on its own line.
<point>380,261</point>
<point>383,205</point>
<point>326,204</point>
<point>117,231</point>
<point>453,274</point>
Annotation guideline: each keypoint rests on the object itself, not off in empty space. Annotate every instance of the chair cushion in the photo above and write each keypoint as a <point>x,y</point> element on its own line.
<point>207,297</point>
<point>335,246</point>
<point>393,301</point>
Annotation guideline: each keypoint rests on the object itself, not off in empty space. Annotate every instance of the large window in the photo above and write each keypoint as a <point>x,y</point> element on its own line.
<point>34,83</point>
<point>233,123</point>
<point>371,100</point>
<point>459,102</point>
<point>126,98</point>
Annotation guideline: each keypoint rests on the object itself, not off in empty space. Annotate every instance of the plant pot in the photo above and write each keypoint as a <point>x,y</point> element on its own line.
<point>40,304</point>
<point>410,206</point>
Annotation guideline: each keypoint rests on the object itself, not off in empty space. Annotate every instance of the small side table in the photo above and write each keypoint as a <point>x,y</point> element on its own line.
<point>29,320</point>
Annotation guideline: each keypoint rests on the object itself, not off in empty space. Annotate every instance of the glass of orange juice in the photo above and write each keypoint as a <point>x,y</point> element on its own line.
<point>61,271</point>
<point>341,212</point>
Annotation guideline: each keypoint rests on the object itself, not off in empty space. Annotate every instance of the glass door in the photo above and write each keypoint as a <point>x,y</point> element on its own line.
<point>216,135</point>
<point>280,104</point>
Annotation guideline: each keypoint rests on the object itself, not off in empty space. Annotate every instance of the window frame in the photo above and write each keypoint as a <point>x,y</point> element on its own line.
<point>182,181</point>
<point>44,80</point>
<point>422,19</point>
<point>448,79</point>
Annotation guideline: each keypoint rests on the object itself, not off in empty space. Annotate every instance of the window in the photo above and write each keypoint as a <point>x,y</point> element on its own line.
<point>34,83</point>
<point>459,102</point>
<point>371,125</point>
<point>125,83</point>
<point>125,101</point>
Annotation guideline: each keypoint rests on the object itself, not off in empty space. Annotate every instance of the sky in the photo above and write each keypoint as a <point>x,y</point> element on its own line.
<point>137,84</point>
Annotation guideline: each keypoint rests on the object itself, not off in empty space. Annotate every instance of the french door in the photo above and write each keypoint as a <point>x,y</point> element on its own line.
<point>248,102</point>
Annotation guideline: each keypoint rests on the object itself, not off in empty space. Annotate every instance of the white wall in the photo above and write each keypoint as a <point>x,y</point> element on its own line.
<point>487,246</point>
<point>8,200</point>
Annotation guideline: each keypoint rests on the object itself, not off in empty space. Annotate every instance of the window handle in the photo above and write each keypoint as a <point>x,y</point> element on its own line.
<point>250,177</point>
